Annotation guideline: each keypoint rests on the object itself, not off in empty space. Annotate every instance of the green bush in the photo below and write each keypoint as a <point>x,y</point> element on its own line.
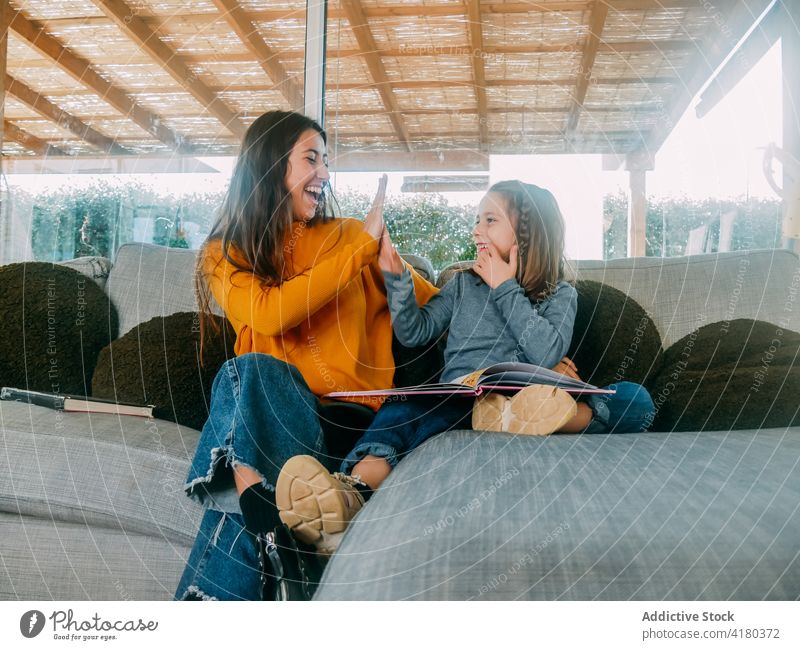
<point>97,219</point>
<point>669,221</point>
<point>424,224</point>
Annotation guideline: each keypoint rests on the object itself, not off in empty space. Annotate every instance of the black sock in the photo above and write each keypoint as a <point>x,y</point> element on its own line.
<point>258,509</point>
<point>365,491</point>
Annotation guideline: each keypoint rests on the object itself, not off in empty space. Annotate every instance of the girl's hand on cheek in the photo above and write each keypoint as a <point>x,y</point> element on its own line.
<point>492,269</point>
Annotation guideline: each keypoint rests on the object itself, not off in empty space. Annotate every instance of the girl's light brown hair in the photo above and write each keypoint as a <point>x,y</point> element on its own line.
<point>540,232</point>
<point>256,213</point>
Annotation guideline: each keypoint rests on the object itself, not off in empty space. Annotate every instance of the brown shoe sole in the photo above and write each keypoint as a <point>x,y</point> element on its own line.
<point>535,411</point>
<point>309,500</point>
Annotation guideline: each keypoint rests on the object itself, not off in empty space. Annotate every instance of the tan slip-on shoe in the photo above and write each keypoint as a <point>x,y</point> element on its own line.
<point>535,411</point>
<point>315,504</point>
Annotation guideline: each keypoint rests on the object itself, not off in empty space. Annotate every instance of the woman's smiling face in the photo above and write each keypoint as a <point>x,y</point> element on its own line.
<point>307,174</point>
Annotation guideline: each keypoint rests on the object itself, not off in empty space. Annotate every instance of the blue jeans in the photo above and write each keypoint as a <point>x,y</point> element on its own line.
<point>261,414</point>
<point>404,424</point>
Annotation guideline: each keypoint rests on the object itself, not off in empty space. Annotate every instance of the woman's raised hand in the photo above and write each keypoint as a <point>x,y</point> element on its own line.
<point>373,224</point>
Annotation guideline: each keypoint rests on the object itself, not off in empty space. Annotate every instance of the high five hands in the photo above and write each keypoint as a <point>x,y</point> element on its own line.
<point>388,257</point>
<point>493,269</point>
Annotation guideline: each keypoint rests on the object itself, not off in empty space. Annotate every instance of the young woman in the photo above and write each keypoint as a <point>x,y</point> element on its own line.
<point>305,294</point>
<point>514,305</point>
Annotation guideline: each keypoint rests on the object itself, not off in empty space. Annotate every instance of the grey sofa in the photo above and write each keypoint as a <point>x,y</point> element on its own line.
<point>92,507</point>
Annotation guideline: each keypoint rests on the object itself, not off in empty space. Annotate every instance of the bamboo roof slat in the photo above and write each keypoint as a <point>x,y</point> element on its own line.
<point>446,67</point>
<point>558,29</point>
<point>15,110</point>
<point>385,79</point>
<point>340,35</point>
<point>366,97</point>
<point>527,66</point>
<point>352,70</point>
<point>172,7</point>
<point>47,9</point>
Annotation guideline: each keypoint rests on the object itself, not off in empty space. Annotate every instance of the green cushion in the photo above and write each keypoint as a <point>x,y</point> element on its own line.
<point>614,338</point>
<point>157,363</point>
<point>741,374</point>
<point>55,322</point>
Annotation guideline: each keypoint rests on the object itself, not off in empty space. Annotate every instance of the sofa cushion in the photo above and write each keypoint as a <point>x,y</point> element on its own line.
<point>55,321</point>
<point>55,560</point>
<point>650,516</point>
<point>742,374</point>
<point>148,281</point>
<point>120,472</point>
<point>684,293</point>
<point>94,267</point>
<point>614,338</point>
<point>158,363</point>
<point>422,265</point>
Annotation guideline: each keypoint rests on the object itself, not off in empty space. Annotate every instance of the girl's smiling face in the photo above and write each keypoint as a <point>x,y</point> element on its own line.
<point>494,225</point>
<point>307,174</point>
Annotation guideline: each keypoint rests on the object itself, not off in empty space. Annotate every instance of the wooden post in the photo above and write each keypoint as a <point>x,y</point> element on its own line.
<point>790,53</point>
<point>637,212</point>
<point>637,166</point>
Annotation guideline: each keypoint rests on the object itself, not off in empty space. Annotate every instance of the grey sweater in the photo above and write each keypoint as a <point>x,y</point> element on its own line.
<point>487,325</point>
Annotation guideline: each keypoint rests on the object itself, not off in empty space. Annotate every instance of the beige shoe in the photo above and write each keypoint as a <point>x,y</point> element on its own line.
<point>535,411</point>
<point>316,504</point>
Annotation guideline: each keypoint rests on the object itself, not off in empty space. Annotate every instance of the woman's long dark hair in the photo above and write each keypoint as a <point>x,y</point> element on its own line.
<point>256,214</point>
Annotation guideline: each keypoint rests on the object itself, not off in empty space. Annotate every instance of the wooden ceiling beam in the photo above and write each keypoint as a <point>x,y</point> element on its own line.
<point>425,136</point>
<point>366,42</point>
<point>11,132</point>
<point>450,160</point>
<point>653,108</point>
<point>248,33</point>
<point>434,83</point>
<point>404,11</point>
<point>623,47</point>
<point>475,34</point>
<point>47,109</point>
<point>597,22</point>
<point>148,40</point>
<point>506,83</point>
<point>81,70</point>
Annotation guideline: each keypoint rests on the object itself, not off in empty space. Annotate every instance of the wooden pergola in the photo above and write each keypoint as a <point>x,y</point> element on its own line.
<point>419,85</point>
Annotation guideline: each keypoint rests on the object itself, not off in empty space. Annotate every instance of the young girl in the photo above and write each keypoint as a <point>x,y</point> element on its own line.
<point>515,304</point>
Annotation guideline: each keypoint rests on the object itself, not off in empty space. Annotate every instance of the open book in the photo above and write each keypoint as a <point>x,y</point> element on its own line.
<point>74,403</point>
<point>501,376</point>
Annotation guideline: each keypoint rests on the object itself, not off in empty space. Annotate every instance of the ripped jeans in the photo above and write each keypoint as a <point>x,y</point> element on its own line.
<point>261,414</point>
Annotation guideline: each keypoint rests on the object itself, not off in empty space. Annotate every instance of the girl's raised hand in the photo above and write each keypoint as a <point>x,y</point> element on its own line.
<point>373,224</point>
<point>388,257</point>
<point>493,269</point>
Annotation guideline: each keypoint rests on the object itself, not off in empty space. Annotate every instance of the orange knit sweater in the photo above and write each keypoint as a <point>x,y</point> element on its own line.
<point>330,319</point>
